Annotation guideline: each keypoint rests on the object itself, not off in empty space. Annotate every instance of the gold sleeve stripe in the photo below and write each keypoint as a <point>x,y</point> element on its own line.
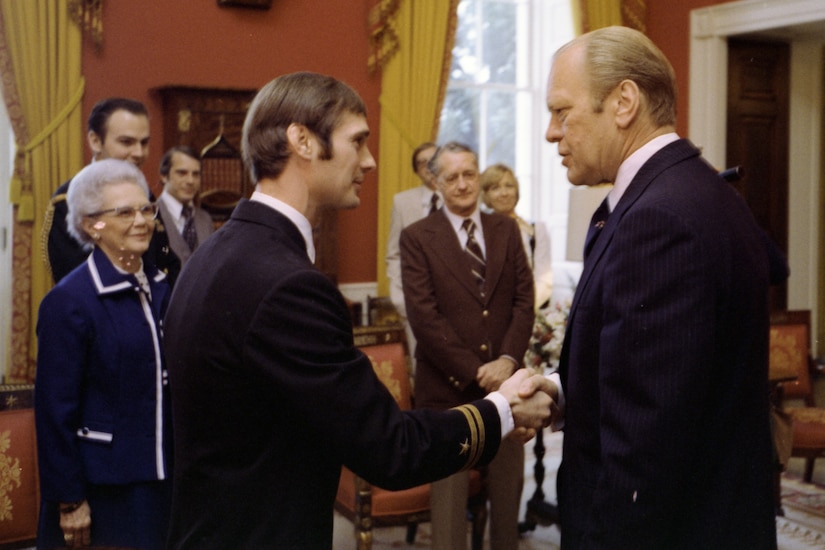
<point>47,228</point>
<point>58,198</point>
<point>474,446</point>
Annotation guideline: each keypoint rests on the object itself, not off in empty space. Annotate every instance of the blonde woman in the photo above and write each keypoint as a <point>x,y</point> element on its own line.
<point>500,193</point>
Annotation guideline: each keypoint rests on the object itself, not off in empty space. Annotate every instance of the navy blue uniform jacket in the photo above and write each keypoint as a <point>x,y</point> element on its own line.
<point>270,397</point>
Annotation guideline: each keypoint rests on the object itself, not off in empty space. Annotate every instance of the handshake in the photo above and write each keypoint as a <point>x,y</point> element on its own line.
<point>533,401</point>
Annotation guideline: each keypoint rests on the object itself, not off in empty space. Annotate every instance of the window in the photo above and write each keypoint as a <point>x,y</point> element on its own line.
<point>6,167</point>
<point>495,99</point>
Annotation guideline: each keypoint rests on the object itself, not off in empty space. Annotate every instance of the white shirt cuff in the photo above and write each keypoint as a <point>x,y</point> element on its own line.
<point>504,412</point>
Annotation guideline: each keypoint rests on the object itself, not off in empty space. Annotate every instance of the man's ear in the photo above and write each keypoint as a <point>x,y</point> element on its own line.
<point>629,103</point>
<point>300,140</point>
<point>95,143</point>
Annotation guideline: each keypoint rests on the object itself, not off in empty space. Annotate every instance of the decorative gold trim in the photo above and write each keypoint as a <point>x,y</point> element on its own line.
<point>383,38</point>
<point>9,476</point>
<point>88,15</point>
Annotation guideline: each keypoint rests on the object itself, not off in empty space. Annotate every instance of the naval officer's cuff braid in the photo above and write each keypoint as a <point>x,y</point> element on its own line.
<point>473,446</point>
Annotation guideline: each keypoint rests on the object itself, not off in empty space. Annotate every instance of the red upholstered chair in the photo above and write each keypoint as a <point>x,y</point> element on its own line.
<point>790,355</point>
<point>19,488</point>
<point>368,506</point>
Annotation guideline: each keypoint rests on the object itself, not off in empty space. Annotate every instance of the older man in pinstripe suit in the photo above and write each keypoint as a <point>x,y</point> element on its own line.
<point>664,366</point>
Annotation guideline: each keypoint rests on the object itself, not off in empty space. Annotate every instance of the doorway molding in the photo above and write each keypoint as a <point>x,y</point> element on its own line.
<point>800,23</point>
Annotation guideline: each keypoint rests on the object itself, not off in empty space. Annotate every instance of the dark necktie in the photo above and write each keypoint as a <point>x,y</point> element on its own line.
<point>596,224</point>
<point>433,203</point>
<point>189,233</point>
<point>474,253</point>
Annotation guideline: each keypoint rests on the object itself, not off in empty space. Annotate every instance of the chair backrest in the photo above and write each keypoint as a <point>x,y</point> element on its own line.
<point>790,355</point>
<point>390,365</point>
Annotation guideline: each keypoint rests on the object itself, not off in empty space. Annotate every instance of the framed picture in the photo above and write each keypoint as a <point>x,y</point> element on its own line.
<point>258,4</point>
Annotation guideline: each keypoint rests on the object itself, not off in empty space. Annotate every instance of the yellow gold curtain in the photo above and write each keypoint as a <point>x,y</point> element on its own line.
<point>417,42</point>
<point>40,59</point>
<point>589,15</point>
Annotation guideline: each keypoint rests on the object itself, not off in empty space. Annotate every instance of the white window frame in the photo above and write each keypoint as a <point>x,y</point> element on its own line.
<point>6,217</point>
<point>544,188</point>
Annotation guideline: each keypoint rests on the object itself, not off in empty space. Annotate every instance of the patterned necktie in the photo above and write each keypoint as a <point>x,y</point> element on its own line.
<point>474,253</point>
<point>596,224</point>
<point>433,203</point>
<point>189,233</point>
<point>143,281</point>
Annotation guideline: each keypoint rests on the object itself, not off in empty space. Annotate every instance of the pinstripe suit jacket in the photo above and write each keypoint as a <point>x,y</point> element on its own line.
<point>664,367</point>
<point>457,329</point>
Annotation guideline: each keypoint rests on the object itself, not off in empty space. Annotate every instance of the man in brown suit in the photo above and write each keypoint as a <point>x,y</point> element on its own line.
<point>469,297</point>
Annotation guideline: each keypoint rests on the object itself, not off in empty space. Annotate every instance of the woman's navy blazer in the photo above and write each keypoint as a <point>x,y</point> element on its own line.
<point>101,397</point>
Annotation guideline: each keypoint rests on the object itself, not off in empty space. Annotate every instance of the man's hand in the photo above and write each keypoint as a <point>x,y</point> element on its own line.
<point>491,375</point>
<point>530,412</point>
<point>76,526</point>
<point>538,383</point>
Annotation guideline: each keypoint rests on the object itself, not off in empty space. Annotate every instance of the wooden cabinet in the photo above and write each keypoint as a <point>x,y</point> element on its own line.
<point>210,118</point>
<point>200,117</point>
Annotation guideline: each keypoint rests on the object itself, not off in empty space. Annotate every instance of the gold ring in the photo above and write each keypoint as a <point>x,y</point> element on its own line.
<point>68,538</point>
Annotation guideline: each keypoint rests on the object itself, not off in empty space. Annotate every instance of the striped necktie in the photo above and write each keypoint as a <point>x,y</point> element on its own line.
<point>474,254</point>
<point>189,233</point>
<point>433,203</point>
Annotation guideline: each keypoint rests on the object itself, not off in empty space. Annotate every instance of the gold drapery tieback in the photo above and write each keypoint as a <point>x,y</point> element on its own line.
<point>20,192</point>
<point>383,42</point>
<point>634,14</point>
<point>590,15</point>
<point>88,15</point>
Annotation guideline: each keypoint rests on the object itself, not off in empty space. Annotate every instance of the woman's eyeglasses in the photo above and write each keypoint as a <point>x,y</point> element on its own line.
<point>127,213</point>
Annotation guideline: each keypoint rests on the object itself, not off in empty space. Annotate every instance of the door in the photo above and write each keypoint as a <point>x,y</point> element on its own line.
<point>757,136</point>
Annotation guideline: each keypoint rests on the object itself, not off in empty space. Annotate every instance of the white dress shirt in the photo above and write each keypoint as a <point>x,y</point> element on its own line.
<point>174,206</point>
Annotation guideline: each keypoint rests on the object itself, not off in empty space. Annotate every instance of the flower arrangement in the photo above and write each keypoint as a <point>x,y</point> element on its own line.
<point>544,350</point>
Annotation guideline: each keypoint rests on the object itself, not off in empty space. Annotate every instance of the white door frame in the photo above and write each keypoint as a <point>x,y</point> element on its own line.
<point>802,24</point>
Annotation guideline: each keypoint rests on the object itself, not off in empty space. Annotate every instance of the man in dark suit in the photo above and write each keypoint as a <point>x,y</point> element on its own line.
<point>118,129</point>
<point>187,225</point>
<point>472,316</point>
<point>270,396</point>
<point>665,361</point>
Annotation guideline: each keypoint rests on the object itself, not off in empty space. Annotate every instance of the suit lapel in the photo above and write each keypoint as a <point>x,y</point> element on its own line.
<point>450,251</point>
<point>494,235</point>
<point>176,241</point>
<point>203,225</point>
<point>671,154</point>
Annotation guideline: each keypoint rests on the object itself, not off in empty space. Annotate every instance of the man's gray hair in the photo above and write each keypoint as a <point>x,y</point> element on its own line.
<point>449,147</point>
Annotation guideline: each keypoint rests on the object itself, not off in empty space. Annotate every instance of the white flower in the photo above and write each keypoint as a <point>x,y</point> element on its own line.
<point>544,349</point>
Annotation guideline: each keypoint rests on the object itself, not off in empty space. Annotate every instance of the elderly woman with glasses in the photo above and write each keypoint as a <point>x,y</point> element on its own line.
<point>101,397</point>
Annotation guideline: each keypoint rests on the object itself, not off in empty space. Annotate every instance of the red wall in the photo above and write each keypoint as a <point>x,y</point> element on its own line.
<point>668,25</point>
<point>153,43</point>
